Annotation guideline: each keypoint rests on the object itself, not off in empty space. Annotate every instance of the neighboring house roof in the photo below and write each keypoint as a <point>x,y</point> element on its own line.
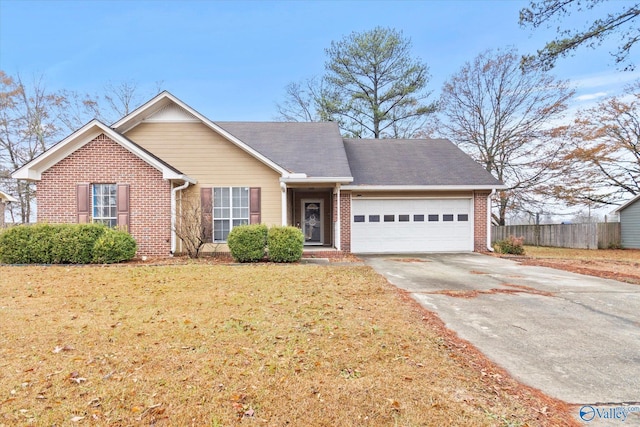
<point>414,163</point>
<point>6,198</point>
<point>313,149</point>
<point>626,205</point>
<point>33,170</point>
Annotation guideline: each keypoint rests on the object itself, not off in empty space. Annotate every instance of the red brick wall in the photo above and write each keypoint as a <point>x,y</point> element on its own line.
<point>345,221</point>
<point>104,161</point>
<point>480,221</point>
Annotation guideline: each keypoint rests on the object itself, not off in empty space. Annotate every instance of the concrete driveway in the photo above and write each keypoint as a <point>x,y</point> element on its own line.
<point>575,337</point>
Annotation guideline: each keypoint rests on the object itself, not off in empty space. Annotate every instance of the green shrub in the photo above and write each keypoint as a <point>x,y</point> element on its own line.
<point>64,244</point>
<point>114,246</point>
<point>74,243</point>
<point>285,244</point>
<point>247,243</point>
<point>15,245</point>
<point>511,245</point>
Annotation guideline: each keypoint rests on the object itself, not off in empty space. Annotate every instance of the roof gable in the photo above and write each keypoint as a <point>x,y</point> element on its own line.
<point>33,170</point>
<point>167,108</point>
<point>6,198</point>
<point>627,204</point>
<point>419,163</point>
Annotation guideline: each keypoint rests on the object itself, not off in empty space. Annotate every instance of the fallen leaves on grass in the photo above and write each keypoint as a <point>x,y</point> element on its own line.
<point>274,344</point>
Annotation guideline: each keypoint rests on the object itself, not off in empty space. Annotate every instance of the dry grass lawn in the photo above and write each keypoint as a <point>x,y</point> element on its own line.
<point>221,345</point>
<point>629,255</point>
<point>617,264</point>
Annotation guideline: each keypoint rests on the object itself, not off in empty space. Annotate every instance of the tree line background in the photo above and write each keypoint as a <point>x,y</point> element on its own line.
<point>503,108</point>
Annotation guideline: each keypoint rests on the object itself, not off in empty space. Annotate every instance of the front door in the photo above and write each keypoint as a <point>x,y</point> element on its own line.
<point>312,226</point>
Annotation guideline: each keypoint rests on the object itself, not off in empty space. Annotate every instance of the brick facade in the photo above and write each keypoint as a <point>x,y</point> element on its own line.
<point>104,161</point>
<point>345,221</point>
<point>480,231</point>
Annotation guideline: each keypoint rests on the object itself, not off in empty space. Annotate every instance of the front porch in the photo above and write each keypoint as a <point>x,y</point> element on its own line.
<point>314,211</point>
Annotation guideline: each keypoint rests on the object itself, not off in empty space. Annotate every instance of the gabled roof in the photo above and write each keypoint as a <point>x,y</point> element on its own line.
<point>414,163</point>
<point>162,101</point>
<point>313,149</point>
<point>7,198</point>
<point>33,170</point>
<point>626,205</point>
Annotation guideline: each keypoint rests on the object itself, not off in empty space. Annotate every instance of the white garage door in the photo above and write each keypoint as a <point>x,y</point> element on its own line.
<point>411,225</point>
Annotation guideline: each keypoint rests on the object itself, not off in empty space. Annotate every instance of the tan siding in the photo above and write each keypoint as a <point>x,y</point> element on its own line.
<point>212,160</point>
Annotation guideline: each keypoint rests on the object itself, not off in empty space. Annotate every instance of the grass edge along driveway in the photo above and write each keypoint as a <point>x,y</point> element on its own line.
<point>257,344</point>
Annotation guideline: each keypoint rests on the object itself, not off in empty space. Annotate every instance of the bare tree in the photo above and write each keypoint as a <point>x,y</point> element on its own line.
<point>502,117</point>
<point>188,226</point>
<point>78,109</point>
<point>29,124</point>
<point>124,97</point>
<point>601,164</point>
<point>308,101</point>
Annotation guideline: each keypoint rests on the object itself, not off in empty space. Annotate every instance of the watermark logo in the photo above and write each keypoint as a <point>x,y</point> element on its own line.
<point>590,413</point>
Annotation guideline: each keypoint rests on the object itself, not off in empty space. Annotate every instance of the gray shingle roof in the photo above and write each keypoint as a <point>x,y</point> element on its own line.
<point>315,149</point>
<point>413,162</point>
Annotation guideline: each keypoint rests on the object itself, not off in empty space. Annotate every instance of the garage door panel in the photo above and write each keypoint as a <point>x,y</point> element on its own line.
<point>415,235</point>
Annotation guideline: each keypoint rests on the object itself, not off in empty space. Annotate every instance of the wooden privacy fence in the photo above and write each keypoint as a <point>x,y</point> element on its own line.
<point>580,236</point>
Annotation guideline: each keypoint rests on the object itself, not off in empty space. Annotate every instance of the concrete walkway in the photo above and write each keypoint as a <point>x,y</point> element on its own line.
<point>575,337</point>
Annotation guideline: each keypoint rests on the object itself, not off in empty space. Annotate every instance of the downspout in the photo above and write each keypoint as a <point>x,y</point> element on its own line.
<point>489,247</point>
<point>174,191</point>
<point>338,237</point>
<point>283,203</point>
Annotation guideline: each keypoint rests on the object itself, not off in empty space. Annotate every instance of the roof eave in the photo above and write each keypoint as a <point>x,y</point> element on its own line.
<point>7,198</point>
<point>424,187</point>
<point>138,115</point>
<point>32,171</point>
<point>316,180</point>
<point>626,205</point>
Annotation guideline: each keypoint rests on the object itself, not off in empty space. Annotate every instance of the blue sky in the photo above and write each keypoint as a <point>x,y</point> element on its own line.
<point>231,60</point>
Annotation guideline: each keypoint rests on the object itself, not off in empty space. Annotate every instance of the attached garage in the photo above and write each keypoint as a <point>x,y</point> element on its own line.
<point>396,225</point>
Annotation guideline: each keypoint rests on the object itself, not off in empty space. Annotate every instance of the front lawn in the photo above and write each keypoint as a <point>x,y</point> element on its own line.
<point>220,345</point>
<point>617,264</point>
<point>629,255</point>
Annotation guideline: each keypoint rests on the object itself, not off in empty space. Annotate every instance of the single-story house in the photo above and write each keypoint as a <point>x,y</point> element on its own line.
<point>4,199</point>
<point>629,214</point>
<point>351,195</point>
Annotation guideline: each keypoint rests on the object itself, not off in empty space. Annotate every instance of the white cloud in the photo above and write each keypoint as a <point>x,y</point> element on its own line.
<point>599,80</point>
<point>591,96</point>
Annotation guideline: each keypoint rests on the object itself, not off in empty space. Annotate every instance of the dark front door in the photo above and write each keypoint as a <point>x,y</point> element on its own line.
<point>312,226</point>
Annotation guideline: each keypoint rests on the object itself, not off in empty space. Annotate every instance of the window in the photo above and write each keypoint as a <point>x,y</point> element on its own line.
<point>230,209</point>
<point>433,218</point>
<point>389,218</point>
<point>358,218</point>
<point>463,217</point>
<point>104,204</point>
<point>403,218</point>
<point>418,218</point>
<point>447,217</point>
<point>374,218</point>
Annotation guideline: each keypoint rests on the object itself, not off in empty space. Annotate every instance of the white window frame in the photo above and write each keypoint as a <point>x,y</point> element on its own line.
<point>98,206</point>
<point>232,215</point>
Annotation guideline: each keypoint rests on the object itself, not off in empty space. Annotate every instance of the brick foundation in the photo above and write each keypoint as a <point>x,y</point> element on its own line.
<point>104,161</point>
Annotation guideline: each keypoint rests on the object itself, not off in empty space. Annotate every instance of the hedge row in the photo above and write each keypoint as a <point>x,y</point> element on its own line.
<point>65,244</point>
<point>252,243</point>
